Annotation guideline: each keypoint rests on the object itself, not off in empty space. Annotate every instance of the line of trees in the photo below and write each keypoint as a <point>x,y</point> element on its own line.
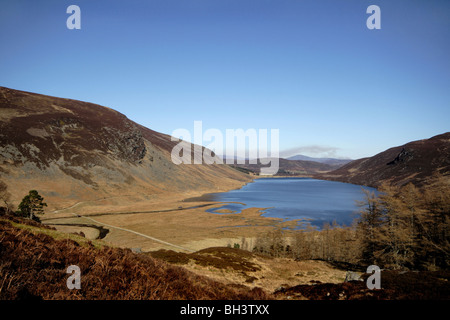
<point>400,228</point>
<point>407,227</point>
<point>332,243</point>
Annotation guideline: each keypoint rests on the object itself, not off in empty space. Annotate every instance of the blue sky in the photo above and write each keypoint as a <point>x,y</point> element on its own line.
<point>310,68</point>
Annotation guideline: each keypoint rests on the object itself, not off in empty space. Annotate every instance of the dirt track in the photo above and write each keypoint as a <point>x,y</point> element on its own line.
<point>169,225</point>
<point>103,232</point>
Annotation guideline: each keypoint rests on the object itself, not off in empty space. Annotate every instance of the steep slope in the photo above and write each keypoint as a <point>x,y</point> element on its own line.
<point>413,162</point>
<point>68,149</point>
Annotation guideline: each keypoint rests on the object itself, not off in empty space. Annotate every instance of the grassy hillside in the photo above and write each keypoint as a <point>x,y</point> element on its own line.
<point>34,260</point>
<point>413,162</point>
<point>74,151</point>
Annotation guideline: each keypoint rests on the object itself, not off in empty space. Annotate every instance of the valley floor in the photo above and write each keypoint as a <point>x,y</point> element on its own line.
<point>181,233</point>
<point>168,222</point>
<point>34,261</point>
<point>172,226</point>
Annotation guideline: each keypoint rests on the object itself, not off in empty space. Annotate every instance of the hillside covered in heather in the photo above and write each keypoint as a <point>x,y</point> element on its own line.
<point>414,162</point>
<point>77,151</point>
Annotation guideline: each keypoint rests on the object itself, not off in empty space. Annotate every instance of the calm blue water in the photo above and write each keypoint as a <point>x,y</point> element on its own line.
<point>294,198</point>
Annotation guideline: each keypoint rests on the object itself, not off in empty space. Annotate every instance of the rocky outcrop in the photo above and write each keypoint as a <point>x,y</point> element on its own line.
<point>403,156</point>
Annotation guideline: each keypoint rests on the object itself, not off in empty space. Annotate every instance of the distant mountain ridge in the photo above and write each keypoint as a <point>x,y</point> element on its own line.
<point>413,162</point>
<point>298,165</point>
<point>288,167</point>
<point>330,161</point>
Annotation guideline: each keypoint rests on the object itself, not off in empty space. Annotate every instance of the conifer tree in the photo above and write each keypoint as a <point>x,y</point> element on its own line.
<point>31,205</point>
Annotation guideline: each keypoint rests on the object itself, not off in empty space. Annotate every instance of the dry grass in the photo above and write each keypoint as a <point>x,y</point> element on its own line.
<point>34,260</point>
<point>36,228</point>
<point>162,219</point>
<point>33,265</point>
<point>240,267</point>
